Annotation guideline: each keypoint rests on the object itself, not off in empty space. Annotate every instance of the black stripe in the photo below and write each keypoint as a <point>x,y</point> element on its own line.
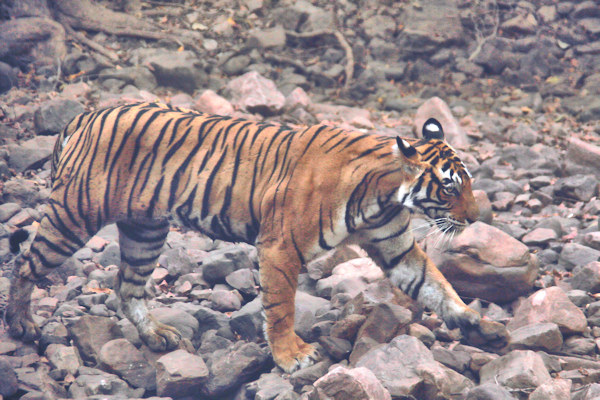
<point>322,241</point>
<point>417,288</point>
<point>396,260</point>
<point>209,183</point>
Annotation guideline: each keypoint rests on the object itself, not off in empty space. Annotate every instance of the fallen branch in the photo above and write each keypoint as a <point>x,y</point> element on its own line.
<point>349,69</point>
<point>108,56</point>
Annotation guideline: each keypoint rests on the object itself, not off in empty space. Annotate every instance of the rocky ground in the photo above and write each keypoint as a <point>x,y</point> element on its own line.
<point>520,85</point>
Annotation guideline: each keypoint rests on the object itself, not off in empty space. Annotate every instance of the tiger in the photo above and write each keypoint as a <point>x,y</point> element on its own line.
<point>294,193</point>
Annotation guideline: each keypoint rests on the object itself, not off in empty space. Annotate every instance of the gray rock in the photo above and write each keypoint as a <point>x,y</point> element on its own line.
<point>7,210</point>
<point>406,367</point>
<point>243,280</point>
<point>590,392</point>
<point>92,382</point>
<point>586,277</point>
<point>350,384</point>
<point>232,367</point>
<point>222,262</point>
<point>64,357</point>
<point>556,389</point>
<point>248,321</point>
<point>429,27</point>
<point>543,336</point>
<point>179,69</point>
<point>455,359</point>
<point>30,154</point>
<point>179,374</point>
<point>177,262</point>
<point>236,64</point>
<point>211,341</point>
<point>518,369</point>
<point>209,319</point>
<point>307,376</point>
<point>577,187</point>
<point>121,357</point>
<point>8,383</point>
<point>270,385</point>
<point>575,254</point>
<point>90,333</point>
<point>52,116</point>
<point>139,76</point>
<point>489,391</point>
<point>266,38</point>
<point>111,255</point>
<point>225,300</point>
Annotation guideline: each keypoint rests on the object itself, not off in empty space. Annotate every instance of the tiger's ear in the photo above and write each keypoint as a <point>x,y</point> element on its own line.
<point>432,129</point>
<point>406,149</point>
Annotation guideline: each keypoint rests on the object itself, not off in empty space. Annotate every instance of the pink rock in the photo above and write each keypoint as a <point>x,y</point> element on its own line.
<point>499,273</point>
<point>350,384</point>
<point>438,109</point>
<point>211,103</point>
<point>297,98</point>
<point>256,94</point>
<point>549,305</point>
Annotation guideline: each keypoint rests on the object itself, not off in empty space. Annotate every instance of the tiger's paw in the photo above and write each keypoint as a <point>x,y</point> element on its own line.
<point>477,331</point>
<point>21,326</point>
<point>160,337</point>
<point>292,354</point>
<point>489,334</point>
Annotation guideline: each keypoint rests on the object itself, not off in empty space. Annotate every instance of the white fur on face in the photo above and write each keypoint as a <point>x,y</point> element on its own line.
<point>404,196</point>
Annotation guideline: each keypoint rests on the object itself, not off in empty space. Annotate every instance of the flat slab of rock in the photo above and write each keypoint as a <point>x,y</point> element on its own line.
<point>498,273</point>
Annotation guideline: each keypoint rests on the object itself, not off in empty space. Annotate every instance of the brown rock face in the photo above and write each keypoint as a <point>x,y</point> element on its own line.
<point>487,263</point>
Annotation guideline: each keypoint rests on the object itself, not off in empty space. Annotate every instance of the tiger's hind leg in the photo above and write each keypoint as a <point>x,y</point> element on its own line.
<point>279,270</point>
<point>55,240</point>
<point>141,243</point>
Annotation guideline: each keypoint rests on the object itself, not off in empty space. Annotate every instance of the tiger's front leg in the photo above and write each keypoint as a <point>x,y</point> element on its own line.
<point>279,269</point>
<point>409,268</point>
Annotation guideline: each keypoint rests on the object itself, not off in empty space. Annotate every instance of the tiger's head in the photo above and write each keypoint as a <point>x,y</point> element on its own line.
<point>442,192</point>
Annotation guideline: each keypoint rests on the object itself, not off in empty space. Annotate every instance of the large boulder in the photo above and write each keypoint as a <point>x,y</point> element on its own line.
<point>487,263</point>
